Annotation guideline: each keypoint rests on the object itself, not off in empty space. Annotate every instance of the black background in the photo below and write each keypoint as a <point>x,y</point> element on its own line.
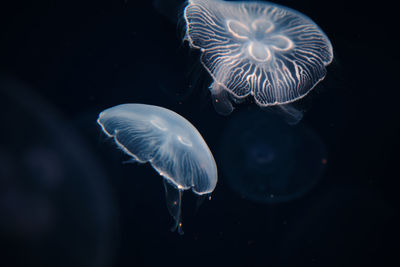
<point>78,58</point>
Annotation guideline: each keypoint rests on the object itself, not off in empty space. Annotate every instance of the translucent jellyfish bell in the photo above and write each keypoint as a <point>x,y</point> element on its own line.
<point>173,147</point>
<point>270,161</point>
<point>271,52</point>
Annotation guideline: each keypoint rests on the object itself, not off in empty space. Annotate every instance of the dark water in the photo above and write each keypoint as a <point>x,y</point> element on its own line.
<point>66,199</point>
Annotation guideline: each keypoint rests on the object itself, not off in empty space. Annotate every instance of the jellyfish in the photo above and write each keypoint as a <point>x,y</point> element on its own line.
<point>171,144</point>
<point>55,200</point>
<point>267,52</point>
<point>270,161</point>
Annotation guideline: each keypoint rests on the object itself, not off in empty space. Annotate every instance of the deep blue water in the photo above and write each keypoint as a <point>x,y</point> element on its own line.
<point>66,198</point>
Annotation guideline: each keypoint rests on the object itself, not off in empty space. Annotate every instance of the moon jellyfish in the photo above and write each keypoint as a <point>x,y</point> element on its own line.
<point>173,147</point>
<point>56,206</point>
<point>270,52</point>
<point>266,160</point>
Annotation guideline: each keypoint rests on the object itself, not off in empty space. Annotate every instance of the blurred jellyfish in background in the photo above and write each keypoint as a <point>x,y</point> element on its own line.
<point>55,205</point>
<point>170,143</point>
<point>272,53</point>
<point>266,160</point>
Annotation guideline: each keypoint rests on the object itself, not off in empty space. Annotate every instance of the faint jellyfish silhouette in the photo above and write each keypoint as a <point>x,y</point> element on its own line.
<point>55,201</point>
<point>266,160</point>
<point>270,52</point>
<point>173,147</point>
